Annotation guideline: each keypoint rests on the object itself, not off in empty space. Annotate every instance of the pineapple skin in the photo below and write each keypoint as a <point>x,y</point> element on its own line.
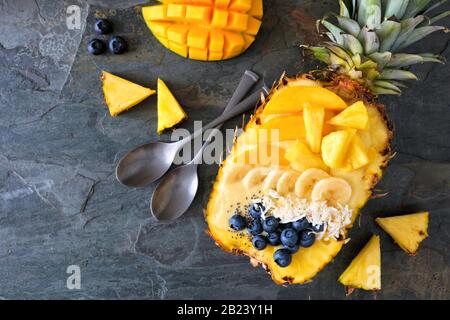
<point>350,91</point>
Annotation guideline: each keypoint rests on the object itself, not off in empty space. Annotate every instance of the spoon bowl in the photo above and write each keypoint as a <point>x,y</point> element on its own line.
<point>175,193</point>
<point>146,163</point>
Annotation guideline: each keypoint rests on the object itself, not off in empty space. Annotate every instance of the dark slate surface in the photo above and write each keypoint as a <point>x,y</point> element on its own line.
<point>60,204</point>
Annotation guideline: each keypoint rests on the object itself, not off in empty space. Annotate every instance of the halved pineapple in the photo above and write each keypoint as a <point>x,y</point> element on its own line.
<point>121,94</point>
<point>170,112</point>
<point>229,189</point>
<point>364,272</point>
<point>407,230</point>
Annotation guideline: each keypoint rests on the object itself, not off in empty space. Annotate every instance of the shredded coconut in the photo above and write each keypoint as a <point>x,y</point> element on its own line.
<point>290,209</point>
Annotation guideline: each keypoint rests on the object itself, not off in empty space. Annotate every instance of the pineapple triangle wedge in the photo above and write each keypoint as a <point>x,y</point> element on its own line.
<point>408,230</point>
<point>120,94</point>
<point>170,111</point>
<point>355,116</point>
<point>364,272</point>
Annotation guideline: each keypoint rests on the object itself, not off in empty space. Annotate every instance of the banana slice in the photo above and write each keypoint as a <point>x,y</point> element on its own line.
<point>307,180</point>
<point>255,177</point>
<point>235,173</point>
<point>270,182</point>
<point>333,190</point>
<point>286,182</point>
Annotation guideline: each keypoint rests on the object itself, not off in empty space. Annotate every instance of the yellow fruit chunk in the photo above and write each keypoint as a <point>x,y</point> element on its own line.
<point>357,156</point>
<point>176,11</point>
<point>178,33</point>
<point>198,38</point>
<point>169,110</point>
<point>239,20</point>
<point>220,18</point>
<point>408,230</point>
<point>154,13</point>
<point>223,4</point>
<point>355,116</point>
<point>285,128</point>
<point>180,49</point>
<point>216,41</point>
<point>293,99</point>
<point>364,272</point>
<point>121,94</point>
<point>248,41</point>
<point>313,117</point>
<point>335,146</point>
<point>241,5</point>
<point>256,9</point>
<point>198,14</point>
<point>198,54</point>
<point>253,26</point>
<point>159,29</point>
<point>215,55</point>
<point>301,158</point>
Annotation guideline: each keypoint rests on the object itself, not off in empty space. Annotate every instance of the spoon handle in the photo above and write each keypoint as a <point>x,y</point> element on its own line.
<point>247,82</point>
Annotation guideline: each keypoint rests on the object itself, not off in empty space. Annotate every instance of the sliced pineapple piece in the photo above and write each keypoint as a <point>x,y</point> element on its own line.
<point>364,272</point>
<point>314,117</point>
<point>408,230</point>
<point>121,94</point>
<point>335,147</point>
<point>355,116</point>
<point>170,112</point>
<point>358,155</point>
<point>301,158</point>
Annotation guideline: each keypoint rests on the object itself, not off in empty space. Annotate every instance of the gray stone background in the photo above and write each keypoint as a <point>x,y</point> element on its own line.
<point>60,204</point>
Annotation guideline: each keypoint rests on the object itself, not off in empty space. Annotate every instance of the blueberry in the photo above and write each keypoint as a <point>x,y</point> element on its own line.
<point>307,239</point>
<point>259,242</point>
<point>301,224</point>
<point>289,237</point>
<point>274,238</point>
<point>270,224</point>
<point>283,226</point>
<point>96,47</point>
<point>255,227</point>
<point>117,45</point>
<point>237,222</point>
<point>103,26</point>
<point>317,228</point>
<point>255,210</point>
<point>282,257</point>
<point>292,249</point>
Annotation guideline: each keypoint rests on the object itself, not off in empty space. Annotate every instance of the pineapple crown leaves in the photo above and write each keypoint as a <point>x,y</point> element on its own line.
<point>369,39</point>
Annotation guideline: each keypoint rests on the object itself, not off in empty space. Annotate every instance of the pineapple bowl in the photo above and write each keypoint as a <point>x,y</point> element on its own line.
<point>290,209</point>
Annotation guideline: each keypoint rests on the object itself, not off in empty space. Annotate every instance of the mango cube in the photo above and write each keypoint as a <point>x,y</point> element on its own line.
<point>198,38</point>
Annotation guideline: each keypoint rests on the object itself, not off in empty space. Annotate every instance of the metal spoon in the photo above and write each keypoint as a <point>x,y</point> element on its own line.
<point>149,162</point>
<point>176,191</point>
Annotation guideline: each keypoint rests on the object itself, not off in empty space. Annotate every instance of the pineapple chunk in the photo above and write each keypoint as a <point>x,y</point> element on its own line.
<point>121,94</point>
<point>364,272</point>
<point>169,110</point>
<point>355,116</point>
<point>335,147</point>
<point>313,117</point>
<point>358,155</point>
<point>408,230</point>
<point>301,158</point>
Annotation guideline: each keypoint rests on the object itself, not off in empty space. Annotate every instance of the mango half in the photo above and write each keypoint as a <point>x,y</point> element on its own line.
<point>205,29</point>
